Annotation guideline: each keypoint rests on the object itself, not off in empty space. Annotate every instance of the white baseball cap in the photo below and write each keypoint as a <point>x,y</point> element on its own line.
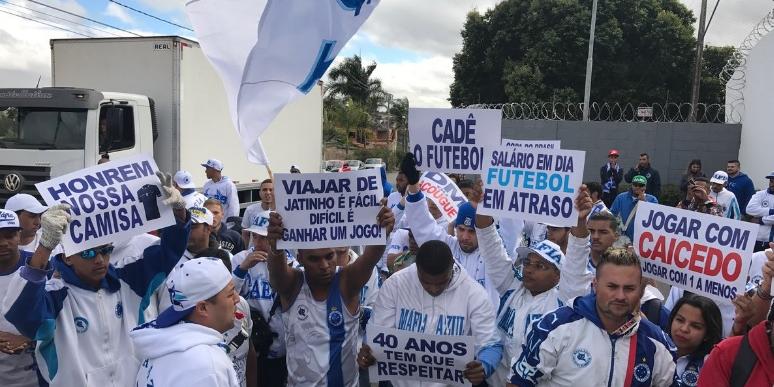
<point>191,282</point>
<point>214,164</point>
<point>260,224</point>
<point>201,215</point>
<point>184,179</point>
<point>546,249</point>
<point>8,219</point>
<point>24,202</point>
<point>719,177</point>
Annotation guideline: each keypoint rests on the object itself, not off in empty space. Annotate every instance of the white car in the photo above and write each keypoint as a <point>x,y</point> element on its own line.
<point>355,164</point>
<point>373,163</point>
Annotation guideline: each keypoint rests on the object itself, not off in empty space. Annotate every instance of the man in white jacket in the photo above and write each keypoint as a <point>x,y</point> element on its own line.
<point>464,244</point>
<point>434,291</point>
<point>761,208</point>
<point>81,318</point>
<point>725,198</point>
<point>597,341</point>
<point>184,183</point>
<point>540,281</point>
<point>220,187</point>
<point>184,346</point>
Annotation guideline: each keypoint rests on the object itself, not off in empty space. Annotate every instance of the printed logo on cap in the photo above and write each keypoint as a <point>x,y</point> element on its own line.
<point>549,251</point>
<point>468,222</point>
<point>719,176</point>
<point>8,217</point>
<point>176,297</point>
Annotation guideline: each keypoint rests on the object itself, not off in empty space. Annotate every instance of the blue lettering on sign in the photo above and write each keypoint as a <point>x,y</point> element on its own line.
<point>450,325</point>
<point>411,320</point>
<point>321,64</point>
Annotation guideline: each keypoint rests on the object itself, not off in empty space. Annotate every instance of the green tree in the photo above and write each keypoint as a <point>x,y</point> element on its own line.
<point>712,89</point>
<point>528,50</point>
<point>349,79</point>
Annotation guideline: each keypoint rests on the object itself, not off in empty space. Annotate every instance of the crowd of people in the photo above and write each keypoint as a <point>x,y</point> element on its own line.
<point>212,301</point>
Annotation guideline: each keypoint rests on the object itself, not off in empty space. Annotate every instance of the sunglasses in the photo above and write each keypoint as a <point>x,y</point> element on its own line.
<point>91,253</point>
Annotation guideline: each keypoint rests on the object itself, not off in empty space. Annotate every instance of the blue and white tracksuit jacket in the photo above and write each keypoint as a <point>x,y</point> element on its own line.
<point>460,310</point>
<point>519,308</point>
<point>82,333</point>
<point>569,346</point>
<point>424,228</point>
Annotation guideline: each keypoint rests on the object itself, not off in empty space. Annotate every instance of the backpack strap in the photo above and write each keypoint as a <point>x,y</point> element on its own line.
<point>743,364</point>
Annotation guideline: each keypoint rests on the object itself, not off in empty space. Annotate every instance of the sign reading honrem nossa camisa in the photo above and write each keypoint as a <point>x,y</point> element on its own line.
<point>109,202</point>
<point>329,209</point>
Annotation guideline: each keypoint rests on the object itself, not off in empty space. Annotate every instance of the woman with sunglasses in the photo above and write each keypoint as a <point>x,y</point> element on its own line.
<point>82,320</point>
<point>695,326</point>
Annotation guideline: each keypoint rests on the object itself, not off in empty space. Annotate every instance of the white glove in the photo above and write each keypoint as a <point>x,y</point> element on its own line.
<point>54,224</point>
<point>172,196</point>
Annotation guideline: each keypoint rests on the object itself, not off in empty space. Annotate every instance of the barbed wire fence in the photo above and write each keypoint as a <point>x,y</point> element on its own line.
<point>734,74</point>
<point>606,111</point>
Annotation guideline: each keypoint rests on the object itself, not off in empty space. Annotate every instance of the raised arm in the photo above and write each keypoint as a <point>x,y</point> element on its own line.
<point>355,275</point>
<point>417,215</point>
<point>499,267</point>
<point>576,278</point>
<point>285,280</point>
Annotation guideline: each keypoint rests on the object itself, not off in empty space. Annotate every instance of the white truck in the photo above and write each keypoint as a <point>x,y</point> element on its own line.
<point>154,95</point>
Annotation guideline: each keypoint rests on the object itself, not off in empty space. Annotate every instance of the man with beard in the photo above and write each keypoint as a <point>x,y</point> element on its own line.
<point>597,339</point>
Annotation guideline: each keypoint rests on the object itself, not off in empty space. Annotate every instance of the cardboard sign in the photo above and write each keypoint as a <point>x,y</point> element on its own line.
<point>406,355</point>
<point>453,140</point>
<point>329,209</point>
<point>442,190</point>
<point>109,202</point>
<point>704,254</point>
<point>532,144</point>
<point>532,184</point>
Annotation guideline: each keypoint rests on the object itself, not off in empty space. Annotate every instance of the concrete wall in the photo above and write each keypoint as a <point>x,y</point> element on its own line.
<point>671,146</point>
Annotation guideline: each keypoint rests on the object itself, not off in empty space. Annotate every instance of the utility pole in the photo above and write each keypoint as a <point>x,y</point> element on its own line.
<point>697,66</point>
<point>589,62</point>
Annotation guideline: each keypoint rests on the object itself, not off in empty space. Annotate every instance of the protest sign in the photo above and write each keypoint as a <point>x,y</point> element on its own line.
<point>704,254</point>
<point>109,202</point>
<point>533,184</point>
<point>532,144</point>
<point>406,355</point>
<point>329,209</point>
<point>453,140</point>
<point>442,190</point>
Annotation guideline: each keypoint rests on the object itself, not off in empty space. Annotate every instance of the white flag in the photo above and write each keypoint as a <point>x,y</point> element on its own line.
<point>269,53</point>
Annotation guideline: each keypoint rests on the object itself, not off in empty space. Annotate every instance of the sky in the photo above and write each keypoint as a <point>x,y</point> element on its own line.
<point>411,41</point>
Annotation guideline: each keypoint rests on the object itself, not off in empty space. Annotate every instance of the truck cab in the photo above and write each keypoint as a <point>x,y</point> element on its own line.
<point>49,132</point>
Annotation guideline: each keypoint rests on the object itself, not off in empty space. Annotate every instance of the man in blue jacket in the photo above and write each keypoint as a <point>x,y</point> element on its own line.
<point>625,204</point>
<point>81,321</point>
<point>740,185</point>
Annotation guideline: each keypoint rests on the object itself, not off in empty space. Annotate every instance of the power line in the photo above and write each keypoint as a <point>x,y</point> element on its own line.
<point>83,17</point>
<point>60,18</point>
<point>149,15</point>
<point>50,25</point>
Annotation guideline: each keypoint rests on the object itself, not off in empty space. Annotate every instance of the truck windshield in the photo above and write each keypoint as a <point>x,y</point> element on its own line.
<point>42,128</point>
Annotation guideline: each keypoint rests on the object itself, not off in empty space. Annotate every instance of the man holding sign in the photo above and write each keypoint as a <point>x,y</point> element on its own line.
<point>434,297</point>
<point>321,304</point>
<point>464,245</point>
<point>81,320</point>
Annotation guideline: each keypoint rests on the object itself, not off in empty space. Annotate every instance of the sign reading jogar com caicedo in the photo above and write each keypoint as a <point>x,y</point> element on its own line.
<point>453,140</point>
<point>109,202</point>
<point>703,254</point>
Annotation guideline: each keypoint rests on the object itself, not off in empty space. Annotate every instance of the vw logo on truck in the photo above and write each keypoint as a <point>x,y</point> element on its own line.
<point>13,182</point>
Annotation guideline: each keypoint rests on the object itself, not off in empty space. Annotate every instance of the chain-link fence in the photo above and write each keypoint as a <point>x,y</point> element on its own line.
<point>623,112</point>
